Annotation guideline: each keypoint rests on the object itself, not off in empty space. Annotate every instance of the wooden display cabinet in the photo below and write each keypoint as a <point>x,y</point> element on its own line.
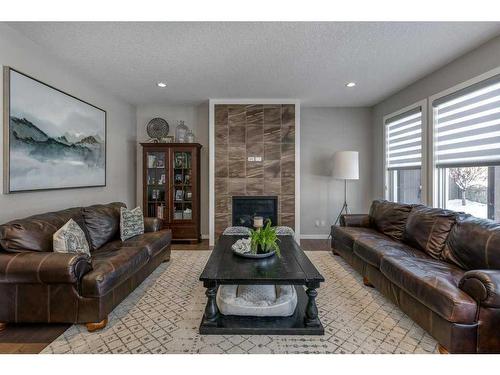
<point>171,187</point>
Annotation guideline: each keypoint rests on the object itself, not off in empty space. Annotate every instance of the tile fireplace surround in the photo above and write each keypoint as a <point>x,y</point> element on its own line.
<point>254,155</point>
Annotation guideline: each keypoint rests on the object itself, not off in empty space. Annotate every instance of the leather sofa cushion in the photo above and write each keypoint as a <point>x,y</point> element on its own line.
<point>112,264</point>
<point>35,232</point>
<point>434,283</point>
<point>102,222</point>
<point>373,249</point>
<point>154,242</point>
<point>389,218</point>
<point>347,235</point>
<point>474,244</point>
<point>427,229</point>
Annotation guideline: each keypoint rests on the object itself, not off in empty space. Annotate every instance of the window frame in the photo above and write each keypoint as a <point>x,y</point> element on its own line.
<point>422,104</point>
<point>433,175</point>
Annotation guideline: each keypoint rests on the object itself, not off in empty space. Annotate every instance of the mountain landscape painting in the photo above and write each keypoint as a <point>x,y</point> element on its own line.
<point>56,141</point>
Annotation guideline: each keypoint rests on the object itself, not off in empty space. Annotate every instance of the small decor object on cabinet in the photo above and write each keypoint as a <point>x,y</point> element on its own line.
<point>171,187</point>
<point>179,161</point>
<point>187,214</point>
<point>151,161</point>
<point>157,129</point>
<point>181,132</point>
<point>168,139</point>
<point>159,211</point>
<point>190,136</point>
<point>179,195</point>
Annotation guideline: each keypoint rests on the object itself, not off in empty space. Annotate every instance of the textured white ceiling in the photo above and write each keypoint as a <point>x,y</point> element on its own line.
<point>307,61</point>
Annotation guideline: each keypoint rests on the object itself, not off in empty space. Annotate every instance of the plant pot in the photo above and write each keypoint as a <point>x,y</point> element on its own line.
<point>260,250</point>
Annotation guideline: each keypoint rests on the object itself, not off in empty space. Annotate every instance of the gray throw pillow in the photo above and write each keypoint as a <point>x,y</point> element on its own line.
<point>70,238</point>
<point>131,223</point>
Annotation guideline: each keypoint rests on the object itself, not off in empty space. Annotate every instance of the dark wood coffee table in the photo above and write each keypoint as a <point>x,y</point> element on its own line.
<point>293,268</point>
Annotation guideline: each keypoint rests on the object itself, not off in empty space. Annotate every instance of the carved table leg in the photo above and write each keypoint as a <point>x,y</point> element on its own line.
<point>211,309</point>
<point>311,319</point>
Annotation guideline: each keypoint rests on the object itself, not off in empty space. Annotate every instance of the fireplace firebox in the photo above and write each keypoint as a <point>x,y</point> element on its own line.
<point>245,208</point>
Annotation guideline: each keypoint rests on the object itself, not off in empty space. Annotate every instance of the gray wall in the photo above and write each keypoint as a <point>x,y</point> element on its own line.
<point>470,65</point>
<point>324,131</point>
<point>196,118</point>
<point>22,54</point>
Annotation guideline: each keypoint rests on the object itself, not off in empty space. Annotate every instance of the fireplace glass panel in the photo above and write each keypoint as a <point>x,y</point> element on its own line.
<point>246,208</point>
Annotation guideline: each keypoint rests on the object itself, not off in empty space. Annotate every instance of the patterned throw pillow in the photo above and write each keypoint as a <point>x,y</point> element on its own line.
<point>131,223</point>
<point>70,238</point>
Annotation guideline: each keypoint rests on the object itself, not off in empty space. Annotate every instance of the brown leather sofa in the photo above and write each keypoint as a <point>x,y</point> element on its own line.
<point>442,268</point>
<point>38,285</point>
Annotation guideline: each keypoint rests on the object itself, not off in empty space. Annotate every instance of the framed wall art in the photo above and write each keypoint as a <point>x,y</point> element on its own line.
<point>52,140</point>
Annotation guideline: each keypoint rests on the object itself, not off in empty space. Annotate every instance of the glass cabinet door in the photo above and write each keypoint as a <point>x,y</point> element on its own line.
<point>182,191</point>
<point>156,182</point>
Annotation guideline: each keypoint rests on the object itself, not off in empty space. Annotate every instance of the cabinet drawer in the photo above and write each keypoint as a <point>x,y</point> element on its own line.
<point>184,231</point>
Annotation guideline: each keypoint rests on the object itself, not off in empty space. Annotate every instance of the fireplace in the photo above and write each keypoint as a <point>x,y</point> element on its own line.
<point>246,207</point>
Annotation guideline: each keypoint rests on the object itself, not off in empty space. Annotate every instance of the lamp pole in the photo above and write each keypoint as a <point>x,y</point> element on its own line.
<point>344,206</point>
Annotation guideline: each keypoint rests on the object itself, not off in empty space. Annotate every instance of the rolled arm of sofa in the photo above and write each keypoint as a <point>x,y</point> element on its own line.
<point>355,220</point>
<point>483,286</point>
<point>152,224</point>
<point>43,268</point>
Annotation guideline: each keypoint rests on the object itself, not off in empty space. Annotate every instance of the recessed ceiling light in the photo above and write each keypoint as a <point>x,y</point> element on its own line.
<point>350,84</point>
<point>162,84</point>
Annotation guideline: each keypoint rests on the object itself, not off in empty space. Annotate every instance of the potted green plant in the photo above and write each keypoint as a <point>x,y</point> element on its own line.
<point>264,240</point>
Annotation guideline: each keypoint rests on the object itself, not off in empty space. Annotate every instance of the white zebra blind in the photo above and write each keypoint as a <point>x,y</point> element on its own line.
<point>403,137</point>
<point>467,126</point>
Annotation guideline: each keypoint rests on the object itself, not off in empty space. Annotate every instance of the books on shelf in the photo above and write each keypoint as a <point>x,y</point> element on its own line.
<point>151,161</point>
<point>159,211</point>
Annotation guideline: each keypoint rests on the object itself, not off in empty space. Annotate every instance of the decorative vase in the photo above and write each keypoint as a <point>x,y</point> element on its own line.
<point>180,132</point>
<point>190,136</point>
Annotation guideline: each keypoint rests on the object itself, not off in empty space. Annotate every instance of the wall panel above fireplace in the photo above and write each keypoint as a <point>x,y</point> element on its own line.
<point>254,156</point>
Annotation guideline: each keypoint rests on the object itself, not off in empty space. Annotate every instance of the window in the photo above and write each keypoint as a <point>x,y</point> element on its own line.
<point>467,149</point>
<point>403,140</point>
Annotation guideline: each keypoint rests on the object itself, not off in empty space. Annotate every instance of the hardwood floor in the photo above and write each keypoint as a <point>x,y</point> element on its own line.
<point>29,338</point>
<point>33,338</point>
<point>203,245</point>
<point>315,245</point>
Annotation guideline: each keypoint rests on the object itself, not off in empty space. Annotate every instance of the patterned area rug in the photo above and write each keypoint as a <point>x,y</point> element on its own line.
<point>163,314</point>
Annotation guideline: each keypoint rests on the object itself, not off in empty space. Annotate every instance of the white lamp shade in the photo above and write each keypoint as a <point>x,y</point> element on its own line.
<point>346,165</point>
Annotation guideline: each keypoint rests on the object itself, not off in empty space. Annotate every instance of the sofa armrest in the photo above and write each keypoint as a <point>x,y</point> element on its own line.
<point>483,286</point>
<point>355,220</point>
<point>152,224</point>
<point>43,268</point>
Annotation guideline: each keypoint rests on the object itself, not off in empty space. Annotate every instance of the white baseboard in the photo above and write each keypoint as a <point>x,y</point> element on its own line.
<point>314,236</point>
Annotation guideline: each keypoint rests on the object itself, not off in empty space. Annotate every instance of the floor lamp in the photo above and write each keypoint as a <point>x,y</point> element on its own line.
<point>345,167</point>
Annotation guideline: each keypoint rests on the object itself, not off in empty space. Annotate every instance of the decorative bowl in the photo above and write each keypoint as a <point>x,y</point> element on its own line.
<point>255,256</point>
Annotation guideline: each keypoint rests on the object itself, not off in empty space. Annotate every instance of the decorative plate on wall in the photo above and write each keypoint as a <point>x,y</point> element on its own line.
<point>157,128</point>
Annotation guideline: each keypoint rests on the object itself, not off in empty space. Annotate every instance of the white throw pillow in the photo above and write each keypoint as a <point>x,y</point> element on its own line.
<point>131,223</point>
<point>70,238</point>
